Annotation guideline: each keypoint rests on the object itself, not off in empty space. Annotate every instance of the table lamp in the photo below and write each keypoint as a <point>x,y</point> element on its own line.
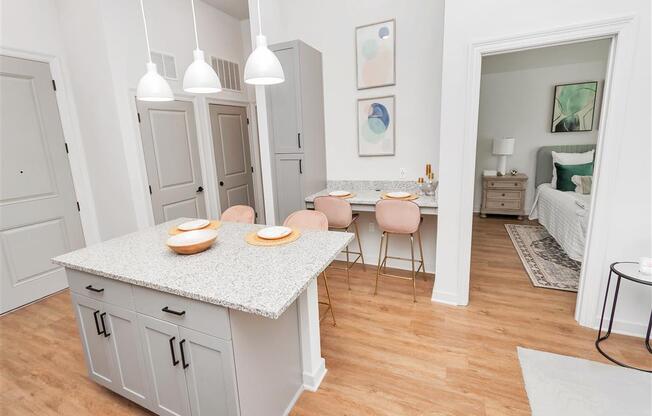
<point>503,148</point>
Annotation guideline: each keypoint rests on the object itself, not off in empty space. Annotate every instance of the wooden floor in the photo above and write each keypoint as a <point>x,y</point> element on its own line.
<point>386,356</point>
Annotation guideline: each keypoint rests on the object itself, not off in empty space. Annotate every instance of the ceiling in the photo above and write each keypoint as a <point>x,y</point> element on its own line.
<point>236,8</point>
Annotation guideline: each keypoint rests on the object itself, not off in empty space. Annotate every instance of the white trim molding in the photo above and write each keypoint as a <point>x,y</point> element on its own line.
<point>622,32</point>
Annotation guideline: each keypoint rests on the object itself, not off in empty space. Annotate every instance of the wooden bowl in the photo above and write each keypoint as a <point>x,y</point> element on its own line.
<point>192,242</point>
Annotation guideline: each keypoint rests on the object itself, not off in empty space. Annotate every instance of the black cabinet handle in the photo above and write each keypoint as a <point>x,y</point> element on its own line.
<point>174,358</point>
<point>200,189</point>
<point>299,139</point>
<point>300,166</point>
<point>92,289</point>
<point>97,324</point>
<point>173,312</point>
<point>106,334</point>
<point>183,355</point>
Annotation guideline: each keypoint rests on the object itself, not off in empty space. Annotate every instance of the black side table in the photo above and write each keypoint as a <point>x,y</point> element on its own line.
<point>628,271</point>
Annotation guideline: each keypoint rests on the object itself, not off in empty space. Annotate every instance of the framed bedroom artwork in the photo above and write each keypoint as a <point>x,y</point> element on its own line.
<point>376,126</point>
<point>574,107</point>
<point>375,46</point>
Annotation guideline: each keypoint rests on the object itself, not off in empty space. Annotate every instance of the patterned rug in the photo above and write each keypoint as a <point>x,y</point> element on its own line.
<point>544,260</point>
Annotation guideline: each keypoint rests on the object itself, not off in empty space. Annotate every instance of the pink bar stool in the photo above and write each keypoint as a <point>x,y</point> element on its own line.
<point>340,217</point>
<point>313,220</point>
<point>403,218</point>
<point>239,213</point>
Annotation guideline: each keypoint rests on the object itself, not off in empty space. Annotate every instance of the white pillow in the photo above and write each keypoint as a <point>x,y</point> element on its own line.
<point>569,159</point>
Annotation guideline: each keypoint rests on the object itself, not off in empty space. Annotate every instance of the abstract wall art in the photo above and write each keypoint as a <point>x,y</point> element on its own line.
<point>375,54</point>
<point>574,107</point>
<point>376,126</point>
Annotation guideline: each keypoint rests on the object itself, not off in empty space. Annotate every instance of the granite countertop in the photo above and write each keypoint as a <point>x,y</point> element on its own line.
<point>232,273</point>
<point>368,197</point>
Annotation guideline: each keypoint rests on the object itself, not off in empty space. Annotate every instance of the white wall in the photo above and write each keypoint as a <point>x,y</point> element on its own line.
<point>329,26</point>
<point>516,96</point>
<point>627,210</point>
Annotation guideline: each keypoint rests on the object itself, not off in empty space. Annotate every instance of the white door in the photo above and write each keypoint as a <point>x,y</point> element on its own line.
<point>172,159</point>
<point>39,217</point>
<point>232,155</point>
<point>163,361</point>
<point>92,331</point>
<point>129,371</point>
<point>210,374</point>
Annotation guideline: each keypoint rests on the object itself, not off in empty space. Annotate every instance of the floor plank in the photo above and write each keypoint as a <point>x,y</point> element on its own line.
<point>386,356</point>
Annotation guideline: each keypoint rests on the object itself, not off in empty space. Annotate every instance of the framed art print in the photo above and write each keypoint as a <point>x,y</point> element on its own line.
<point>375,46</point>
<point>376,126</point>
<point>574,107</point>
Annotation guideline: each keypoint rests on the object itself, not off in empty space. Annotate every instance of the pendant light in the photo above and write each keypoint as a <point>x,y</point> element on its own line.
<point>200,78</point>
<point>152,86</point>
<point>262,67</point>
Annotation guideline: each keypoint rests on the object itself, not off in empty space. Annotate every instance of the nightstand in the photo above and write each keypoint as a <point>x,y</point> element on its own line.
<point>503,195</point>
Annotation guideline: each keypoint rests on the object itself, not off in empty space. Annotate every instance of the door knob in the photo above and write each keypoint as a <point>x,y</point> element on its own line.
<point>200,189</point>
<point>221,183</point>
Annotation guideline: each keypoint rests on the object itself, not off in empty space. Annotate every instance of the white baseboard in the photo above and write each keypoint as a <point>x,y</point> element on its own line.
<point>629,328</point>
<point>312,381</point>
<point>447,298</point>
<point>293,401</point>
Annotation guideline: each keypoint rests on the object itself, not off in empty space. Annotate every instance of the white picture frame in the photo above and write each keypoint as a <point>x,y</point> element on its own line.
<point>375,49</point>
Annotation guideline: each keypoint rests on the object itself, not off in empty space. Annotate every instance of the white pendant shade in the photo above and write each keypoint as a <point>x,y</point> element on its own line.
<point>263,67</point>
<point>200,78</point>
<point>153,87</point>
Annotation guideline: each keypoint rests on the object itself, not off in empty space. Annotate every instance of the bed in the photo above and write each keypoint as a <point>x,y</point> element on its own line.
<point>564,214</point>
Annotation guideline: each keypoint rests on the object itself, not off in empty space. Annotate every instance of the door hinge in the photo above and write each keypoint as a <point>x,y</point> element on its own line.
<point>150,189</point>
<point>66,144</point>
<point>54,85</point>
<point>78,209</point>
<point>247,120</point>
<point>138,117</point>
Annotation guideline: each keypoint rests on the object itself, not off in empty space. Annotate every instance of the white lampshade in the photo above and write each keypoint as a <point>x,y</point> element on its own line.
<point>153,87</point>
<point>504,146</point>
<point>263,67</point>
<point>200,78</point>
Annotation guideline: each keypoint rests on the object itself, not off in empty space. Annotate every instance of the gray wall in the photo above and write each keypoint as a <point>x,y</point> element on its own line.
<point>516,96</point>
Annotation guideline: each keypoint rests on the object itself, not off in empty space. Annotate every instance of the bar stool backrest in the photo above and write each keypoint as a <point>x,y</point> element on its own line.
<point>239,213</point>
<point>398,217</point>
<point>307,220</point>
<point>337,210</point>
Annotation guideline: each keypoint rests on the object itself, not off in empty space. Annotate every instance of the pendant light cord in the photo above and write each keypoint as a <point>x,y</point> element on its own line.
<point>260,22</point>
<point>194,22</point>
<point>149,52</point>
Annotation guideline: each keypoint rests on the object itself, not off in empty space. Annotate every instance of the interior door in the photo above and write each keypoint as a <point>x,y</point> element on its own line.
<point>38,208</point>
<point>232,155</point>
<point>289,184</point>
<point>163,361</point>
<point>172,159</point>
<point>210,373</point>
<point>284,105</point>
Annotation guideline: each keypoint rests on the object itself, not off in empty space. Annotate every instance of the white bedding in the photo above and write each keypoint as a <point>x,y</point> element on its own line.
<point>565,215</point>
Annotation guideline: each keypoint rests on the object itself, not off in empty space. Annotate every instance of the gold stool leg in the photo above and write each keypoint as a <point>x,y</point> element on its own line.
<point>348,276</point>
<point>328,295</point>
<point>380,256</point>
<point>385,259</point>
<point>423,265</point>
<point>414,276</point>
<point>357,236</point>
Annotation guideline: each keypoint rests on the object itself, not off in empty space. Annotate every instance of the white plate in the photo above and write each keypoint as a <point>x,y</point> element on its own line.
<point>399,194</point>
<point>339,193</point>
<point>192,237</point>
<point>193,225</point>
<point>274,233</point>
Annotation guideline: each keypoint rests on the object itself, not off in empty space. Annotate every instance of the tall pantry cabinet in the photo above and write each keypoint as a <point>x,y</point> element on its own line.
<point>296,126</point>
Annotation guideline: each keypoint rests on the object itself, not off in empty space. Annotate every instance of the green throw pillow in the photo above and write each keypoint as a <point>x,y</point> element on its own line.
<point>566,172</point>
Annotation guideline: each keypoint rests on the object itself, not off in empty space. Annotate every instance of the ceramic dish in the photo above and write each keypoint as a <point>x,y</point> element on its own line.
<point>398,194</point>
<point>274,233</point>
<point>193,225</point>
<point>339,193</point>
<point>192,242</point>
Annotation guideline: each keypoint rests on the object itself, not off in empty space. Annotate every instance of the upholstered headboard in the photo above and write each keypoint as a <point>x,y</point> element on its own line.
<point>544,159</point>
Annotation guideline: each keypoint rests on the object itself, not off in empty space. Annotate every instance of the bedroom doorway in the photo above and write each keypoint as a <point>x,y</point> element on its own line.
<point>531,215</point>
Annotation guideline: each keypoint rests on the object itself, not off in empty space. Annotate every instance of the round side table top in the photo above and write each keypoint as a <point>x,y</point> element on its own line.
<point>629,270</point>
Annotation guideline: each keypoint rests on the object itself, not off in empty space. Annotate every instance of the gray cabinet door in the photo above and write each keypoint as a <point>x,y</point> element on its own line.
<point>172,161</point>
<point>96,345</point>
<point>129,372</point>
<point>163,361</point>
<point>289,185</point>
<point>38,208</point>
<point>210,374</point>
<point>284,105</point>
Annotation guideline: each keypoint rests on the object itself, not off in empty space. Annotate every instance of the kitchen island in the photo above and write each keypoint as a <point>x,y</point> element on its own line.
<point>230,331</point>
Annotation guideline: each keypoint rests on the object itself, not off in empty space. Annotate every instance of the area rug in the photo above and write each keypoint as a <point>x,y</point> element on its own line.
<point>558,385</point>
<point>544,260</point>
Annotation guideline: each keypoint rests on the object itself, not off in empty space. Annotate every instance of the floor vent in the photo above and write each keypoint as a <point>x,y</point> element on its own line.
<point>166,64</point>
<point>229,73</point>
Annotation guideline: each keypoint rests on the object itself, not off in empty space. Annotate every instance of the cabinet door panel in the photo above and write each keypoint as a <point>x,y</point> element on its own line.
<point>96,346</point>
<point>284,105</point>
<point>289,184</point>
<point>210,374</point>
<point>168,379</point>
<point>130,374</point>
